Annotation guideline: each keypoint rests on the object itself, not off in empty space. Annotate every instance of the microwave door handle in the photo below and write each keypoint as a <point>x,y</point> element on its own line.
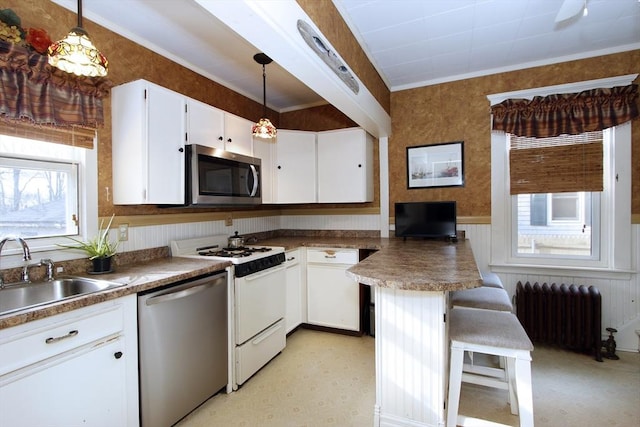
<point>254,172</point>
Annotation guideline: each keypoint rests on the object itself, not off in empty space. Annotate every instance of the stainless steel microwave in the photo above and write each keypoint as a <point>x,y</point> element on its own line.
<point>218,177</point>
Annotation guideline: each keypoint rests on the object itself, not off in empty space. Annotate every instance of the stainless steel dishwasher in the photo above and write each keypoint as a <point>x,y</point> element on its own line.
<point>183,347</point>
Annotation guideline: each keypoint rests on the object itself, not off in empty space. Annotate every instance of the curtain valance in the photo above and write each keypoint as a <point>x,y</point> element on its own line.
<point>33,91</point>
<point>575,113</point>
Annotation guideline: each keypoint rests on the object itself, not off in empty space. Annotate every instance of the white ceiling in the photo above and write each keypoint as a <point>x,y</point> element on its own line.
<point>411,42</point>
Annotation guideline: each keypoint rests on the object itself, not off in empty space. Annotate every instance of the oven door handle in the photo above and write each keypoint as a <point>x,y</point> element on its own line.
<point>263,273</point>
<point>254,190</point>
<point>178,294</point>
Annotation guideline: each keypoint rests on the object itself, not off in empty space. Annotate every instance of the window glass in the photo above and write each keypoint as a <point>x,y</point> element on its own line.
<point>38,198</point>
<point>556,224</point>
<point>43,195</point>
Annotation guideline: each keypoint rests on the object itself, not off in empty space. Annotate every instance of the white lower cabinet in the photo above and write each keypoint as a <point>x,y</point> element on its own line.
<point>332,297</point>
<point>296,296</point>
<point>76,368</point>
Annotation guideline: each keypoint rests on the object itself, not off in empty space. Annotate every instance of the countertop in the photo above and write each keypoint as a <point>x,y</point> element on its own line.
<point>412,264</point>
<point>409,265</point>
<point>135,278</point>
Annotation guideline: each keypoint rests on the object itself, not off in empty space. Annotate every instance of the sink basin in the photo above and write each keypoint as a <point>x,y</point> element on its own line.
<point>19,297</point>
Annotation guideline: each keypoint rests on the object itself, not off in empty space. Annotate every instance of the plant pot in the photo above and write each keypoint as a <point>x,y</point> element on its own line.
<point>101,265</point>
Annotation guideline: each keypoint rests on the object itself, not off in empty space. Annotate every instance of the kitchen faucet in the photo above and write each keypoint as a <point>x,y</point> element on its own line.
<point>26,253</point>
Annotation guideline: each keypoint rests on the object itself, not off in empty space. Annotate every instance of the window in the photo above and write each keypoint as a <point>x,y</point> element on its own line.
<point>565,229</point>
<point>43,195</point>
<point>594,225</point>
<point>38,198</point>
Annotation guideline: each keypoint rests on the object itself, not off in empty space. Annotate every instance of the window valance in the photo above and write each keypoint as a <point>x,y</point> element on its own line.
<point>574,113</point>
<point>31,91</point>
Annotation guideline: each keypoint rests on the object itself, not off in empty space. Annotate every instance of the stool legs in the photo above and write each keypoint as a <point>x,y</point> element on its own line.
<point>455,383</point>
<point>524,388</point>
<point>518,372</point>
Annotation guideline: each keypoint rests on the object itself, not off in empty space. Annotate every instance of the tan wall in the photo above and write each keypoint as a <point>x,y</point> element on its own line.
<point>459,111</point>
<point>420,116</point>
<point>129,61</point>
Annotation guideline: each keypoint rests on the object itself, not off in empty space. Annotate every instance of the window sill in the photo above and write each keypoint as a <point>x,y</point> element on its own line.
<point>559,270</point>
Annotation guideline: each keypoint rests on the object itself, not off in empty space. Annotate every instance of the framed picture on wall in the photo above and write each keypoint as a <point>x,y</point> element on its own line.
<point>436,165</point>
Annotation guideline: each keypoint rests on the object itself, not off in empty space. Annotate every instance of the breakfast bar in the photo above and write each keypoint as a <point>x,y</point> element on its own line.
<point>411,280</point>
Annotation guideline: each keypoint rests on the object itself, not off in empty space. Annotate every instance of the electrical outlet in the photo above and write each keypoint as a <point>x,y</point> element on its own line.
<point>123,232</point>
<point>228,221</point>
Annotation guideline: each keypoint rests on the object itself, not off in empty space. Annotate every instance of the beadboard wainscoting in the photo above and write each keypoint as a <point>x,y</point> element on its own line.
<point>620,292</point>
<point>620,296</point>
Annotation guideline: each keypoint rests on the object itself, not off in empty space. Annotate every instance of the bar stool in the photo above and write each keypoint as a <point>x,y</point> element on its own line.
<point>496,333</point>
<point>483,297</point>
<point>491,280</point>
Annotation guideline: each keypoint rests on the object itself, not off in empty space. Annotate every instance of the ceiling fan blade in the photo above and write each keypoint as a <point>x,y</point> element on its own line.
<point>569,9</point>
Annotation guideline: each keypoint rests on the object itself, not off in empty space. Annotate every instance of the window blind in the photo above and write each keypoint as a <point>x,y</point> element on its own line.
<point>76,136</point>
<point>564,163</point>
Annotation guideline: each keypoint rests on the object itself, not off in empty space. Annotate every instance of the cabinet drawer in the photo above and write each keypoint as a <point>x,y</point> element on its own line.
<point>32,342</point>
<point>332,256</point>
<point>292,257</point>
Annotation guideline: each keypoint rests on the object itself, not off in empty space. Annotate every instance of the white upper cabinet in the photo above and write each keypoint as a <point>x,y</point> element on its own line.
<point>215,128</point>
<point>237,135</point>
<point>205,124</point>
<point>264,149</point>
<point>295,167</point>
<point>148,137</point>
<point>345,166</point>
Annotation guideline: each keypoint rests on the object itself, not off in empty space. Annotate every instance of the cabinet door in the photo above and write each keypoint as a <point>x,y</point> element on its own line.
<point>295,296</point>
<point>148,136</point>
<point>237,135</point>
<point>345,170</point>
<point>333,299</point>
<point>295,174</point>
<point>205,125</point>
<point>84,387</point>
<point>264,149</point>
<point>166,138</point>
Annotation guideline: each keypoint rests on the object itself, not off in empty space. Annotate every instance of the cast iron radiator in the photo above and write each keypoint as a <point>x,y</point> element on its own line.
<point>566,316</point>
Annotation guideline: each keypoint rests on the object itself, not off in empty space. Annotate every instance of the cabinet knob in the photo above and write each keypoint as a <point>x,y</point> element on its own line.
<point>220,138</point>
<point>279,167</point>
<point>359,165</point>
<point>181,149</point>
<point>117,354</point>
<point>229,140</point>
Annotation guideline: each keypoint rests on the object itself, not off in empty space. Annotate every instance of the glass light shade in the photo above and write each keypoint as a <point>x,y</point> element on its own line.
<point>264,129</point>
<point>76,54</point>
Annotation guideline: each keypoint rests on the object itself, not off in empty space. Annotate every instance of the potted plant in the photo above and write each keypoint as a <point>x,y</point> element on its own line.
<point>99,249</point>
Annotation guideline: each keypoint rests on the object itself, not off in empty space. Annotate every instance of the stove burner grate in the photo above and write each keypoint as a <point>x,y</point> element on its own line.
<point>239,252</point>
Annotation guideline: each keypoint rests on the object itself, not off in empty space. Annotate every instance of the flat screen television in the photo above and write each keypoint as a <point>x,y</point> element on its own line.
<point>426,219</point>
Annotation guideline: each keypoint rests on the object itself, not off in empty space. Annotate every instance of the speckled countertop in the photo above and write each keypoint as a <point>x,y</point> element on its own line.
<point>421,265</point>
<point>410,265</point>
<point>135,278</point>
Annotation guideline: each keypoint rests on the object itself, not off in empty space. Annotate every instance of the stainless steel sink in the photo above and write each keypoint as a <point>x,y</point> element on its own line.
<point>19,297</point>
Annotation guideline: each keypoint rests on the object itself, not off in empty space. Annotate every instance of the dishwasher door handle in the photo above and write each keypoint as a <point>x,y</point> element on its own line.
<point>178,294</point>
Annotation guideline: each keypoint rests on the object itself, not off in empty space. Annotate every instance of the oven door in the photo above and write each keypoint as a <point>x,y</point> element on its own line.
<point>218,177</point>
<point>260,301</point>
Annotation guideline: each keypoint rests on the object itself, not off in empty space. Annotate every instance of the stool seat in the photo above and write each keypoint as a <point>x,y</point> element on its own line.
<point>491,280</point>
<point>494,329</point>
<point>485,298</point>
<point>496,333</point>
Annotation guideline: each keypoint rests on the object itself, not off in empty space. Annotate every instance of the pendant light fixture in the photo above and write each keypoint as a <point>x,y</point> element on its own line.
<point>76,53</point>
<point>264,128</point>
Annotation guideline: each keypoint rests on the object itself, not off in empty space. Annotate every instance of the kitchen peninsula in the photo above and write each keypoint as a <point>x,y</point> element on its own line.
<point>411,280</point>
